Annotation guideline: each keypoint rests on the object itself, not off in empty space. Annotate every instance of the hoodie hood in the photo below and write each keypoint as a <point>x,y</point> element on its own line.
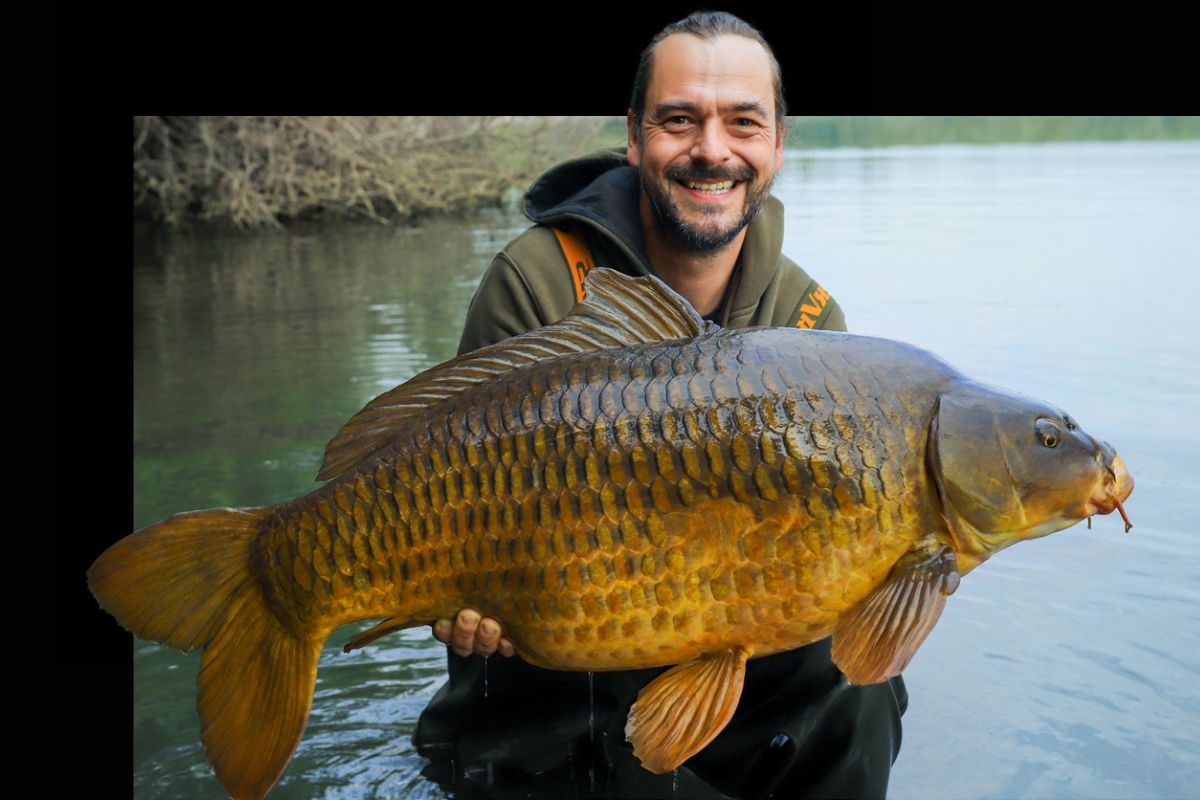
<point>600,189</point>
<point>554,192</point>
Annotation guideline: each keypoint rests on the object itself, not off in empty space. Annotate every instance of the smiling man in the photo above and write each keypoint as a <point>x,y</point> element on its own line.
<point>706,136</point>
<point>689,201</point>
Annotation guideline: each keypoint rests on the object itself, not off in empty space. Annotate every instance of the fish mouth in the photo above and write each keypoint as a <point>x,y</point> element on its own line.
<point>1115,489</point>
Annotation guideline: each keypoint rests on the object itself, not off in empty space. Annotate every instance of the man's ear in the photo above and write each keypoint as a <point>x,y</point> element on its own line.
<point>634,154</point>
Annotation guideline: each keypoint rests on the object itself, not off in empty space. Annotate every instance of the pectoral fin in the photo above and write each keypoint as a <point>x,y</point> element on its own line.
<point>682,710</point>
<point>382,629</point>
<point>876,640</point>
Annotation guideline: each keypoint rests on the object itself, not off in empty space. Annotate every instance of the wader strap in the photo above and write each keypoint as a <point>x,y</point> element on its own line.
<point>812,309</point>
<point>575,248</point>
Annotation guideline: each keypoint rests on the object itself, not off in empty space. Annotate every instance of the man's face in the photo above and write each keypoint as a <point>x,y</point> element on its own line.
<point>708,147</point>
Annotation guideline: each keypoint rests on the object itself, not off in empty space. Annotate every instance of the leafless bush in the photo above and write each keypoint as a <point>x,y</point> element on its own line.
<point>259,172</point>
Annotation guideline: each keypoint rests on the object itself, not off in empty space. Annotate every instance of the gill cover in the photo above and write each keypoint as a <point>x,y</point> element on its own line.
<point>1002,473</point>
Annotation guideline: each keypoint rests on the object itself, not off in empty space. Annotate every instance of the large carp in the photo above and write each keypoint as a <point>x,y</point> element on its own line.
<point>628,488</point>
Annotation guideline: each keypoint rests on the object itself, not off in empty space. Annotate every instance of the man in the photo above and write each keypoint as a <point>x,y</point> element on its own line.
<point>689,202</point>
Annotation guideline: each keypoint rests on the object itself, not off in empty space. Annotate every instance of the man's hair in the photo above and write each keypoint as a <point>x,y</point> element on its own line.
<point>706,25</point>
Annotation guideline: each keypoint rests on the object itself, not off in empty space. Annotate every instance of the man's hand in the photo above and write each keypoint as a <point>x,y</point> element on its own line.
<point>472,633</point>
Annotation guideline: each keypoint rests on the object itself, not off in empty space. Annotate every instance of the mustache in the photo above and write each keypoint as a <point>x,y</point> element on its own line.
<point>701,173</point>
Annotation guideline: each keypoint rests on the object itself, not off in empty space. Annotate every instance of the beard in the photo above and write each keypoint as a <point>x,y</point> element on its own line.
<point>668,218</point>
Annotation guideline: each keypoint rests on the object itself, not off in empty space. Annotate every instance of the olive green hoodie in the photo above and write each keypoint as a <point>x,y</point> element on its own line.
<point>529,284</point>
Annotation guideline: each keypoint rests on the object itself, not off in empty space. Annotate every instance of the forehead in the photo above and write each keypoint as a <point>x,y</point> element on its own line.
<point>726,68</point>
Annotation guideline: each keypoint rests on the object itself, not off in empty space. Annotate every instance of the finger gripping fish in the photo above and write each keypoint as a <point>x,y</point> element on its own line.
<point>631,487</point>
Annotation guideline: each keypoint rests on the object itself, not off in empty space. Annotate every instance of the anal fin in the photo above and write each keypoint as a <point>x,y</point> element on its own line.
<point>682,710</point>
<point>389,625</point>
<point>876,640</point>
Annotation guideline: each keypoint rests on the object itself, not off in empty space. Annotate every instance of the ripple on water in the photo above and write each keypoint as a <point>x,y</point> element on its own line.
<point>1085,695</point>
<point>1087,762</point>
<point>1113,664</point>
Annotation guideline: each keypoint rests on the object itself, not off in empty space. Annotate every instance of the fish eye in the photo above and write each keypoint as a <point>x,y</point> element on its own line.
<point>1047,432</point>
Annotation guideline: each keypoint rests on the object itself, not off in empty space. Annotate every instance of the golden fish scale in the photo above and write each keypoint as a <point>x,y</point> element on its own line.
<point>621,512</point>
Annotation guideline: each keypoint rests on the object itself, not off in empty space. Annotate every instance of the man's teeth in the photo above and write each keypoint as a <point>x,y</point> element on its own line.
<point>709,188</point>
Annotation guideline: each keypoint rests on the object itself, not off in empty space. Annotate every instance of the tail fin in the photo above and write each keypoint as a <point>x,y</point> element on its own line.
<point>186,583</point>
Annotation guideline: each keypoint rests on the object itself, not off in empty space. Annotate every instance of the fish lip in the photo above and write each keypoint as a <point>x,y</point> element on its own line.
<point>1116,488</point>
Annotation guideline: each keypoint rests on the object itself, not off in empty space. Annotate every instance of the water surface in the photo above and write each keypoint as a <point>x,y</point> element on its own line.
<point>1063,668</point>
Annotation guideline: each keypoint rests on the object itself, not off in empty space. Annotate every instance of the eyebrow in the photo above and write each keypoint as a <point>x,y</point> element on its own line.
<point>666,107</point>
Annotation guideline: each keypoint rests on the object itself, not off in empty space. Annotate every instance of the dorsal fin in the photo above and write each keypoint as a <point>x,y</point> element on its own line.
<point>616,311</point>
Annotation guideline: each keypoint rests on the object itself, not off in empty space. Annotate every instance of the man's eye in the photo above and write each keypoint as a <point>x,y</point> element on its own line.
<point>747,124</point>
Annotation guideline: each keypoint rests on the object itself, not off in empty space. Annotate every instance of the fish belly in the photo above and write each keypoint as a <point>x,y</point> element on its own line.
<point>626,509</point>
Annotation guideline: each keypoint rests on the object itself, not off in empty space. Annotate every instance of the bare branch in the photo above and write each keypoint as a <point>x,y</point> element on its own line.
<point>258,172</point>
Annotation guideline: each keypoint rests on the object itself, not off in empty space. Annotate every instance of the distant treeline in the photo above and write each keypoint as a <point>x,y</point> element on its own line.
<point>815,132</point>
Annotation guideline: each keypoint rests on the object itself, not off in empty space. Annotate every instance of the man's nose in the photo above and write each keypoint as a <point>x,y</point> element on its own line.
<point>711,145</point>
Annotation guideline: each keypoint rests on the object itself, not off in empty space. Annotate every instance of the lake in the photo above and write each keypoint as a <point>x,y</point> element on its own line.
<point>1068,667</point>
